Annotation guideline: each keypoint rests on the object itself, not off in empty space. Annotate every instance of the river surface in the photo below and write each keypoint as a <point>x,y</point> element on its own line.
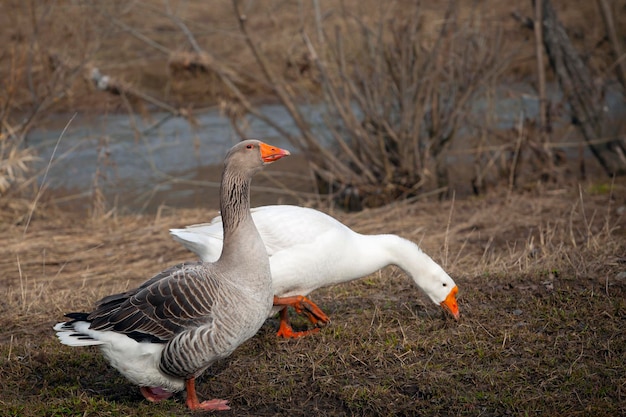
<point>141,164</point>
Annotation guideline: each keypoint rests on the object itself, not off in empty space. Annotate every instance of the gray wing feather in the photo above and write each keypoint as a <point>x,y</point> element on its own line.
<point>177,299</point>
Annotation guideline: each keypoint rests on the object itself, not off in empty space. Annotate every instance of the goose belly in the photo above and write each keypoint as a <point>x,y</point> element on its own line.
<point>139,362</point>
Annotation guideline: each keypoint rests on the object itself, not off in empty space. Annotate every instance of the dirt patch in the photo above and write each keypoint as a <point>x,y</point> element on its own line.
<point>542,298</point>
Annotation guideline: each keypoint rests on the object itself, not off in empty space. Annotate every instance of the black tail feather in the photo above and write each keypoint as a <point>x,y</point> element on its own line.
<point>78,316</point>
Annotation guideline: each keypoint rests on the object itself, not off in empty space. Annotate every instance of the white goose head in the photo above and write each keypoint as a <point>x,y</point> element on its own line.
<point>439,287</point>
<point>426,273</point>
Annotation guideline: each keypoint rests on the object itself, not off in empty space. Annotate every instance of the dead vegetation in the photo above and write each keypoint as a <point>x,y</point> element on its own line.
<point>393,92</point>
<point>543,290</point>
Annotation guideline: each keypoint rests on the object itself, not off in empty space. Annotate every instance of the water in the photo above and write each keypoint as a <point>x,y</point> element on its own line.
<point>166,160</point>
<point>139,159</point>
<point>137,153</point>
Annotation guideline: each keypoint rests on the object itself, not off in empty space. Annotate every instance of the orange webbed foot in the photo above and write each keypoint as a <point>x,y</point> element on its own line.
<point>285,330</point>
<point>303,305</point>
<point>209,405</point>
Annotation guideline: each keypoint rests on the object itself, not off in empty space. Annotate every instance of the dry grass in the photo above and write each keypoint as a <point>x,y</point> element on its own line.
<point>542,329</point>
<point>14,164</point>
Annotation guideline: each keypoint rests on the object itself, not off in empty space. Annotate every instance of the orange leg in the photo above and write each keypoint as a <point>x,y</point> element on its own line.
<point>302,305</point>
<point>194,404</point>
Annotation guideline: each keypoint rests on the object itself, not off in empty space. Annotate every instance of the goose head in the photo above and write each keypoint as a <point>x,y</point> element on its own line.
<point>425,272</point>
<point>251,155</point>
<point>440,288</point>
<point>240,164</point>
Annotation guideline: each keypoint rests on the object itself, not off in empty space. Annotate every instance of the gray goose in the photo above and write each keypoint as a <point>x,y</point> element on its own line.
<point>168,331</point>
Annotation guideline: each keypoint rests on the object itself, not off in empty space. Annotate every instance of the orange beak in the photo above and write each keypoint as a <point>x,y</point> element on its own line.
<point>450,303</point>
<point>271,153</point>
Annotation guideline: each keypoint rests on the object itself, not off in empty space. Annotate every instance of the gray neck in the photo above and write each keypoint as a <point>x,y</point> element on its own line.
<point>234,200</point>
<point>241,238</point>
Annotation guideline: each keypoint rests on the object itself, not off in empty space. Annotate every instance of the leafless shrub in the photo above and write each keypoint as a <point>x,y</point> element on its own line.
<point>392,110</point>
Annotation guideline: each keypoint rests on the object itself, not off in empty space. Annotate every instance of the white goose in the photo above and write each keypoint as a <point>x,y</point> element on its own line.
<point>164,334</point>
<point>311,250</point>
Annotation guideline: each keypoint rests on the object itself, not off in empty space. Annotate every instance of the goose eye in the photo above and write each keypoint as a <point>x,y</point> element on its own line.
<point>249,146</point>
<point>445,285</point>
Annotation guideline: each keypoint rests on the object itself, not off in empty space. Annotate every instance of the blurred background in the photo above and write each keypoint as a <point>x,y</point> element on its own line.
<point>131,105</point>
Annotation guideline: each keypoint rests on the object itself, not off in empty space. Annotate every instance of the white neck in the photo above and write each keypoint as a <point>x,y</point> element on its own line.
<point>378,251</point>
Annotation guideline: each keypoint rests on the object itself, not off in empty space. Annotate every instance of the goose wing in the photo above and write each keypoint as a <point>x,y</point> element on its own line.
<point>175,300</point>
<point>299,226</point>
